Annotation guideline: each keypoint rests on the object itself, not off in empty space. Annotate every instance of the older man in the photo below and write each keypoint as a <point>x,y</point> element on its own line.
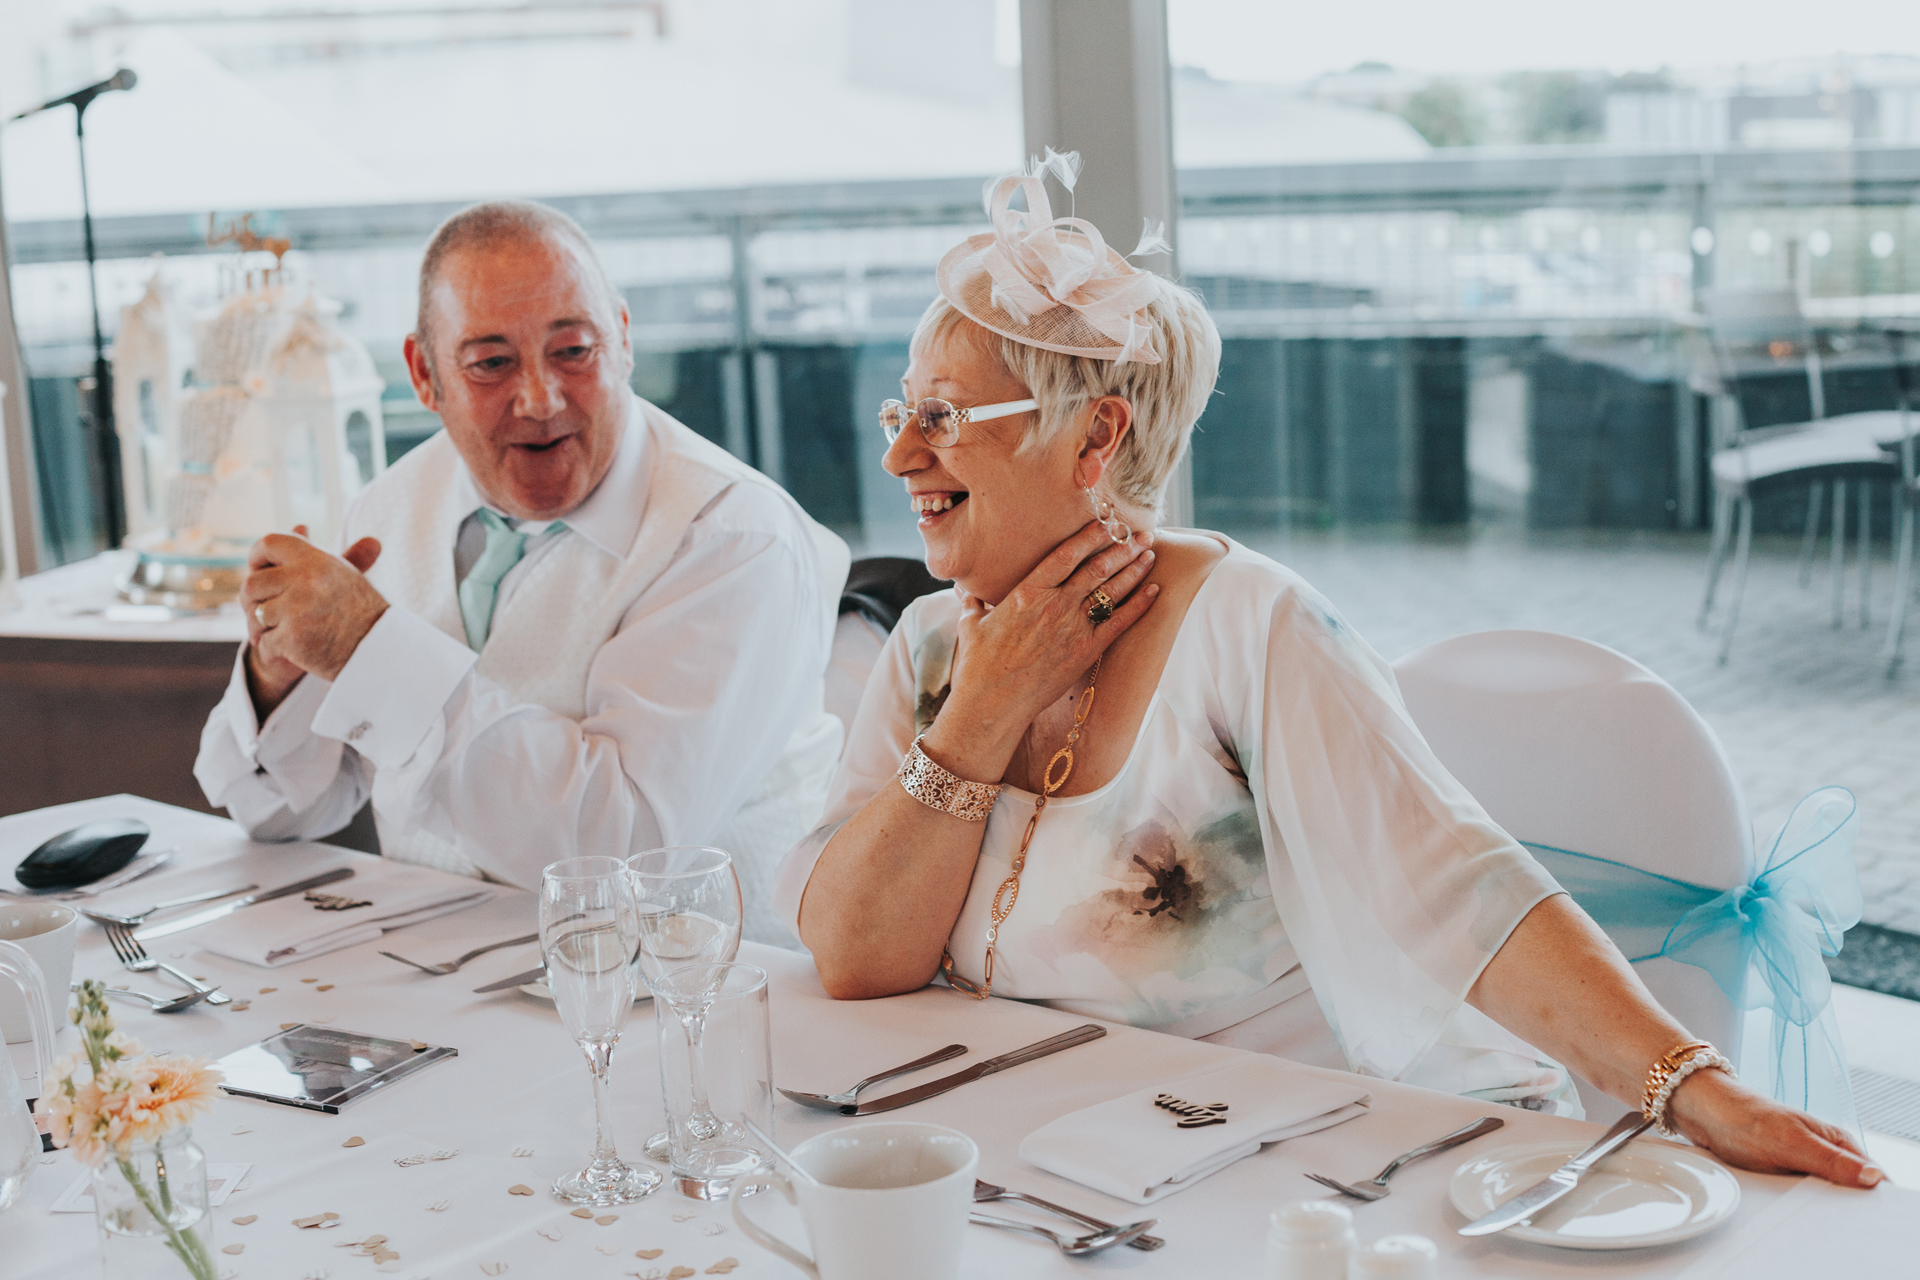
<point>565,625</point>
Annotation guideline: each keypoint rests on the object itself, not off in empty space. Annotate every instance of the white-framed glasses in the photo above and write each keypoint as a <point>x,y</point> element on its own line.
<point>940,421</point>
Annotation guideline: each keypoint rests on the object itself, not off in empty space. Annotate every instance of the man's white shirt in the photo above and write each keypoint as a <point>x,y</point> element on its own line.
<point>689,706</point>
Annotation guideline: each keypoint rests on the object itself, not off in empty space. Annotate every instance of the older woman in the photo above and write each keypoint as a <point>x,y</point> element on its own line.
<point>1148,775</point>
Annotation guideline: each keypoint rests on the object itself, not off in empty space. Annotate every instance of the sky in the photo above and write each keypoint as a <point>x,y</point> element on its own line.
<point>1294,40</point>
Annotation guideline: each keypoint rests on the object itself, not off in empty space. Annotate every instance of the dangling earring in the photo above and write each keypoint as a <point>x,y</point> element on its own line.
<point>1103,511</point>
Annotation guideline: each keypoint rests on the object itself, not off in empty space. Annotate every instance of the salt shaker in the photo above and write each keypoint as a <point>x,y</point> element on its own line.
<point>1309,1240</point>
<point>1396,1258</point>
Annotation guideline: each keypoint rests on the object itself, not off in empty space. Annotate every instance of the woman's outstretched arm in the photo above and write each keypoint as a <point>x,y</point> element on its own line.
<point>1560,984</point>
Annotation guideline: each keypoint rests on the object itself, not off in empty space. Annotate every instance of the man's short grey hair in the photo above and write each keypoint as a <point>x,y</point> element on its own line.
<point>1167,398</point>
<point>492,225</point>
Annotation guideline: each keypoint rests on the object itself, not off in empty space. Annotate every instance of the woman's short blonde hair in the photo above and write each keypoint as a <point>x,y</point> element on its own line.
<point>1167,397</point>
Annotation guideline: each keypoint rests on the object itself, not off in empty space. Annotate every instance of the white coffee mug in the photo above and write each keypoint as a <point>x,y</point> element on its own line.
<point>889,1200</point>
<point>46,930</point>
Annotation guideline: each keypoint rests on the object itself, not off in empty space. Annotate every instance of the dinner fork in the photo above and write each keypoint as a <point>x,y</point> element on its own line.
<point>1375,1188</point>
<point>1072,1246</point>
<point>453,966</point>
<point>135,957</point>
<point>984,1191</point>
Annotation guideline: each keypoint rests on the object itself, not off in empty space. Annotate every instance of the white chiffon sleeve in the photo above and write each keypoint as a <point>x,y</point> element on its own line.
<point>883,729</point>
<point>1395,887</point>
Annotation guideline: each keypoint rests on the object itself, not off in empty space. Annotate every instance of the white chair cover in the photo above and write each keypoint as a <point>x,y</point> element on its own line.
<point>1574,747</point>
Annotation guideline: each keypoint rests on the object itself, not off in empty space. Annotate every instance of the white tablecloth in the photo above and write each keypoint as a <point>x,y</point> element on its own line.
<point>519,1082</point>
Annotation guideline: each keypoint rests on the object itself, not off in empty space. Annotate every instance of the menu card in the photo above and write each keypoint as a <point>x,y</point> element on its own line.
<point>323,1068</point>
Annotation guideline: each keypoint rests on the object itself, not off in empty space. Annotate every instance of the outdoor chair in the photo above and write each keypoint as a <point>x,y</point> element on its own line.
<point>1624,793</point>
<point>1748,462</point>
<point>1907,500</point>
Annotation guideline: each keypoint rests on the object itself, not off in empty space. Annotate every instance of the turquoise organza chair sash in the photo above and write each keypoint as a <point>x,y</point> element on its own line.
<point>1764,943</point>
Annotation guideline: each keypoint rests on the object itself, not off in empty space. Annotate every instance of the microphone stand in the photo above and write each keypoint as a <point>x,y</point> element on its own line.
<point>107,438</point>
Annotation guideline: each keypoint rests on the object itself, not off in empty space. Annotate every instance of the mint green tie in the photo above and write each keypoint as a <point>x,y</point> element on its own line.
<point>481,587</point>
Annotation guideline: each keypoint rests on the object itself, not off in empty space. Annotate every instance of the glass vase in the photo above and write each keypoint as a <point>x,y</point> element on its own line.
<point>151,1208</point>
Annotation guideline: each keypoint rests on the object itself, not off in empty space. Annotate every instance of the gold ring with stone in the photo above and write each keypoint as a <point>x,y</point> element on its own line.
<point>1099,606</point>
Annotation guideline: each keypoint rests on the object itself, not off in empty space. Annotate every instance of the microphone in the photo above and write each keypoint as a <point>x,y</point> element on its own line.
<point>124,78</point>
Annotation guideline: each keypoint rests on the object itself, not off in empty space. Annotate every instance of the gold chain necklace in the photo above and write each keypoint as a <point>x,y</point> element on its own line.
<point>1009,891</point>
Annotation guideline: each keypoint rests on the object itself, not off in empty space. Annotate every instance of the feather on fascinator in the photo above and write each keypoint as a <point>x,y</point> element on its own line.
<point>1052,282</point>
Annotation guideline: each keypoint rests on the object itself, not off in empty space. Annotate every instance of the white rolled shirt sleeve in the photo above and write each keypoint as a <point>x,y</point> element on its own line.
<point>278,779</point>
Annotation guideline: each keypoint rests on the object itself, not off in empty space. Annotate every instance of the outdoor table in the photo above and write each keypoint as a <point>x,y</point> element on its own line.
<point>518,1084</point>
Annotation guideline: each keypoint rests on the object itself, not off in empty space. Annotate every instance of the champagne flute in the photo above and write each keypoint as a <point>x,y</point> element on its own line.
<point>589,933</point>
<point>689,903</point>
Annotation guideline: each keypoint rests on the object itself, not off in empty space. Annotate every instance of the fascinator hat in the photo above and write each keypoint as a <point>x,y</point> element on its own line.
<point>1050,282</point>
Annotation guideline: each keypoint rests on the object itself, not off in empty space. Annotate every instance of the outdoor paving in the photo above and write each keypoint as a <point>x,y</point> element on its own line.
<point>1799,705</point>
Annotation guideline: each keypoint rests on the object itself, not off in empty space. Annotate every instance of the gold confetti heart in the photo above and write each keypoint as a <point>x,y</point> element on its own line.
<point>354,1142</point>
<point>239,1006</point>
<point>549,1233</point>
<point>609,1249</point>
<point>288,1026</point>
<point>419,1046</point>
<point>493,1268</point>
<point>583,1213</point>
<point>607,1219</point>
<point>267,991</point>
<point>384,1255</point>
<point>686,1215</point>
<point>438,1206</point>
<point>519,1189</point>
<point>325,986</point>
<point>246,1220</point>
<point>317,1220</point>
<point>309,979</point>
<point>407,1162</point>
<point>523,1151</point>
<point>445,1155</point>
<point>723,1266</point>
<point>680,1273</point>
<point>648,1254</point>
<point>713,1229</point>
<point>199,977</point>
<point>233,1248</point>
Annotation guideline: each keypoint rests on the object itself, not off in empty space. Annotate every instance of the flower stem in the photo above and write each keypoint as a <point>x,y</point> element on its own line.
<point>186,1245</point>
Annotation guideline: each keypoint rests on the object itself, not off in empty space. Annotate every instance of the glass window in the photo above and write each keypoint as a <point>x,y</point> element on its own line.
<point>769,184</point>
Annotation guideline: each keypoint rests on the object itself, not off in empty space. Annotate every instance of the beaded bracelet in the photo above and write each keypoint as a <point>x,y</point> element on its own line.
<point>936,788</point>
<point>1675,1066</point>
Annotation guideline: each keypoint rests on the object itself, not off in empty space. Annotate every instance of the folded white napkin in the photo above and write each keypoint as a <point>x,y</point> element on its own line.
<point>302,925</point>
<point>1128,1147</point>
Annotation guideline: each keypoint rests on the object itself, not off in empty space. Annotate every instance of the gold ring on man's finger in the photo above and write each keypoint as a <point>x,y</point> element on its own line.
<point>1099,606</point>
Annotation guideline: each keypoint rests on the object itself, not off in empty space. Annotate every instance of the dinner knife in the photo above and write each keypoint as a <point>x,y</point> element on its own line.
<point>211,914</point>
<point>1561,1181</point>
<point>517,980</point>
<point>1039,1049</point>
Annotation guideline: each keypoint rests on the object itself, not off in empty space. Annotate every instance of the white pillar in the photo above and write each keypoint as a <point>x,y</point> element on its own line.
<point>1095,78</point>
<point>18,543</point>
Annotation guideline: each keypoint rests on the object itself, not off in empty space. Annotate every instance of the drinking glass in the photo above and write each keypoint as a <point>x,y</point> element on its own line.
<point>589,934</point>
<point>716,1072</point>
<point>689,903</point>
